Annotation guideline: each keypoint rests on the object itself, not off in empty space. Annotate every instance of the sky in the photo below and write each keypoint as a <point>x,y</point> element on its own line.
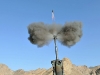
<point>17,52</point>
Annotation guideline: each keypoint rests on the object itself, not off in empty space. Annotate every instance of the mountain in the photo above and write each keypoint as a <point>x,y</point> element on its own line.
<point>68,68</point>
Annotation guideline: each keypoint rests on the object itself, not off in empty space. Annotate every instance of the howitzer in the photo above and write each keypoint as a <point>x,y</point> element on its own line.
<point>57,64</point>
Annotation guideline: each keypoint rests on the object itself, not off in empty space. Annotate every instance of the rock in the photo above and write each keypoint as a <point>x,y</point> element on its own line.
<point>4,70</point>
<point>97,71</point>
<point>67,66</point>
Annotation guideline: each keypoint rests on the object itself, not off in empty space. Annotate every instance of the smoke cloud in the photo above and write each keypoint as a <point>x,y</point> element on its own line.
<point>70,33</point>
<point>41,34</point>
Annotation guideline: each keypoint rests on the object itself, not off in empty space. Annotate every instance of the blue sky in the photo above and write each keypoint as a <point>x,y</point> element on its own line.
<point>18,53</point>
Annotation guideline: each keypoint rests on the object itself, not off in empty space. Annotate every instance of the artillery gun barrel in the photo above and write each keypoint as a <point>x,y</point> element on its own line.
<point>56,49</point>
<point>57,64</point>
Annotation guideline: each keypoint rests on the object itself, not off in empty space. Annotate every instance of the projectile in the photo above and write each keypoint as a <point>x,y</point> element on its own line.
<point>52,10</point>
<point>52,15</point>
